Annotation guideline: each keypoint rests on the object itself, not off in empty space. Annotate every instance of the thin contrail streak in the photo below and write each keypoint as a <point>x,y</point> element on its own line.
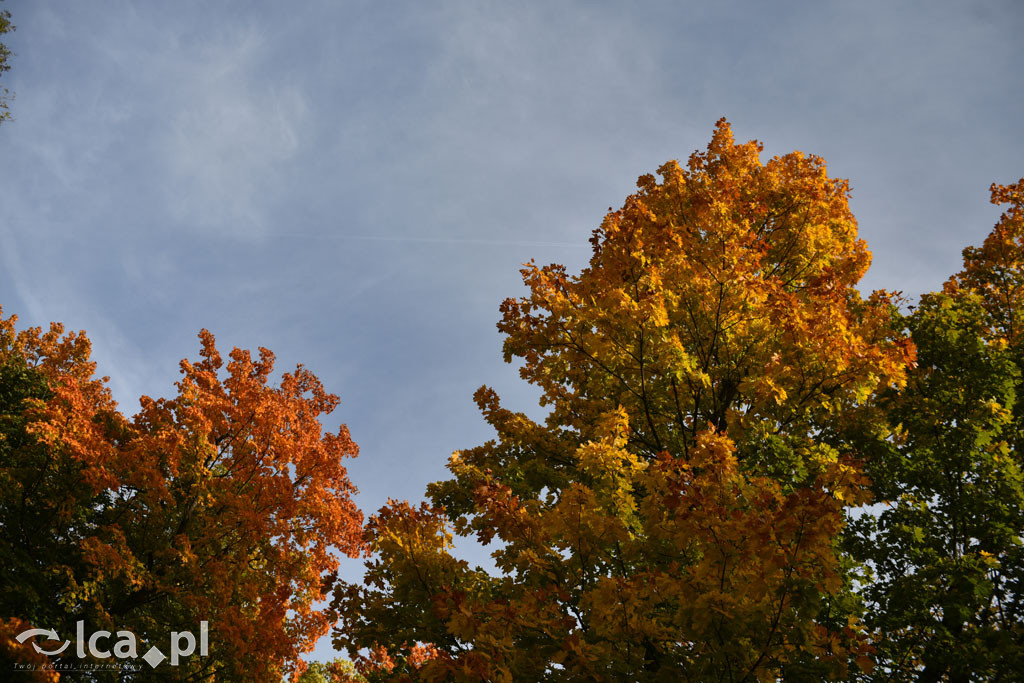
<point>433,240</point>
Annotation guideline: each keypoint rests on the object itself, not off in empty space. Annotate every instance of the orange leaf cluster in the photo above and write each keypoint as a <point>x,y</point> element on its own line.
<point>225,503</point>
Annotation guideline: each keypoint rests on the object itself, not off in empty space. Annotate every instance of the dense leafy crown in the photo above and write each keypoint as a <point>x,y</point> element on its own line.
<point>944,592</point>
<point>675,515</point>
<point>225,503</point>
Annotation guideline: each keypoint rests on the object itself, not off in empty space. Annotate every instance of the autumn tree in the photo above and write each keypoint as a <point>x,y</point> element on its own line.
<point>225,503</point>
<point>946,596</point>
<point>675,516</point>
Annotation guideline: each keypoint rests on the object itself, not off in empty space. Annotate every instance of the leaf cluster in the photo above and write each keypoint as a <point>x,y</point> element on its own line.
<point>225,504</point>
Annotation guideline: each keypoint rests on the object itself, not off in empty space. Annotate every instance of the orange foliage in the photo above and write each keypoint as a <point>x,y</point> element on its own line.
<point>222,504</point>
<point>995,270</point>
<point>32,665</point>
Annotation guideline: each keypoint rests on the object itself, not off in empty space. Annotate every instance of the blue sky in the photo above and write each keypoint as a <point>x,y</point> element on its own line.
<point>354,184</point>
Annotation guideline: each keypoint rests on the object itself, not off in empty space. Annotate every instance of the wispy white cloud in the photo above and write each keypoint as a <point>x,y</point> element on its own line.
<point>234,129</point>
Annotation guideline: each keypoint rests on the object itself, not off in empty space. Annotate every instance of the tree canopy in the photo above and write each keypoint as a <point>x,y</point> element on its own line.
<point>945,553</point>
<point>223,504</point>
<point>748,471</point>
<point>676,515</point>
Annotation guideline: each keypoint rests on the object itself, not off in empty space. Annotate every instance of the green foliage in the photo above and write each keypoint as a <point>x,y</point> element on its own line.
<point>45,507</point>
<point>5,53</point>
<point>330,672</point>
<point>944,554</point>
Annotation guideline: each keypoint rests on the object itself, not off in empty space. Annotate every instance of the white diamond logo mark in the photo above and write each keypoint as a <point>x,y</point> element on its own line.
<point>154,657</point>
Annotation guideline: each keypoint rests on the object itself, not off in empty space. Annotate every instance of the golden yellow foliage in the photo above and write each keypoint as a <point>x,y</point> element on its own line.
<point>675,516</point>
